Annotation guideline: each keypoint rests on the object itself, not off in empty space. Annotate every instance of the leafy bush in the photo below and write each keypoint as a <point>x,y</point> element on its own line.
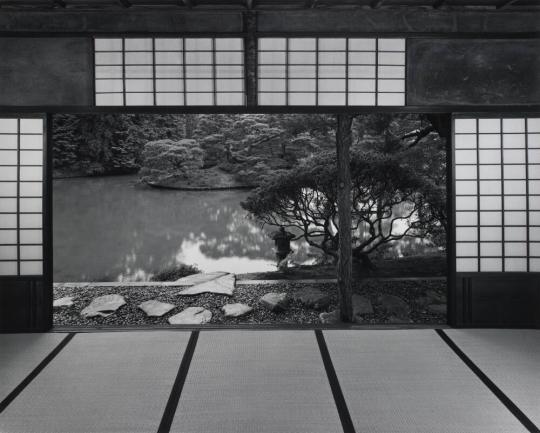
<point>175,272</point>
<point>167,159</point>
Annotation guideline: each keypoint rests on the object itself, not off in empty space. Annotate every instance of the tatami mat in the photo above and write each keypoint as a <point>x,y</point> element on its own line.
<point>116,382</point>
<point>20,354</point>
<point>411,381</point>
<point>510,358</point>
<point>257,382</point>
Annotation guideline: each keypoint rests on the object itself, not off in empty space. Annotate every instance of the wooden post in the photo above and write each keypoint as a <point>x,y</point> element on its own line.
<point>250,59</point>
<point>344,269</point>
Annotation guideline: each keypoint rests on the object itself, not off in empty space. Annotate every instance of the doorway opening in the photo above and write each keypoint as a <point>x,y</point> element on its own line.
<point>163,219</point>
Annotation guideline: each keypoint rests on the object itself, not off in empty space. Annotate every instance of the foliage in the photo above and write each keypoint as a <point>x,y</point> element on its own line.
<point>168,159</point>
<point>175,272</point>
<point>305,200</point>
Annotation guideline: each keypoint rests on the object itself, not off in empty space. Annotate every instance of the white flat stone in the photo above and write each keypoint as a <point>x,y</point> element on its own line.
<point>103,306</point>
<point>222,286</point>
<point>191,280</point>
<point>66,301</point>
<point>236,310</point>
<point>155,308</point>
<point>275,301</point>
<point>191,316</point>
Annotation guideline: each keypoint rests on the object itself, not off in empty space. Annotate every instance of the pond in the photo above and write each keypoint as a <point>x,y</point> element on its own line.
<point>112,229</point>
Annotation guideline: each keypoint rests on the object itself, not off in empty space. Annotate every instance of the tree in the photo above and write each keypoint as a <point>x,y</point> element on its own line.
<point>305,199</point>
<point>167,160</point>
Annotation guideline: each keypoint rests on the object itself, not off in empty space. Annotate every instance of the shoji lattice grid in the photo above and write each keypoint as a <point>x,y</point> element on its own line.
<point>21,202</point>
<point>331,71</point>
<point>497,194</point>
<point>169,71</point>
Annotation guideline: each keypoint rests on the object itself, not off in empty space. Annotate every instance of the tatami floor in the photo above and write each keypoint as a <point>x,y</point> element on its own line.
<point>271,381</point>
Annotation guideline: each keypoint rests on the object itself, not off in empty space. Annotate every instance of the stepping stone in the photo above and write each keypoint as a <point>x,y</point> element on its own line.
<point>361,305</point>
<point>155,308</point>
<point>312,298</point>
<point>103,306</point>
<point>437,309</point>
<point>236,310</point>
<point>330,318</point>
<point>395,306</point>
<point>275,302</point>
<point>221,286</point>
<point>191,280</point>
<point>63,302</point>
<point>191,316</point>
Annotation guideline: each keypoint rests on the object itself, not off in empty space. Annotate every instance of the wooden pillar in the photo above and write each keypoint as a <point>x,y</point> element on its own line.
<point>250,59</point>
<point>344,269</point>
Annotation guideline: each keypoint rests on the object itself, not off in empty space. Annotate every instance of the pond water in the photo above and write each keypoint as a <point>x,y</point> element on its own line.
<point>111,229</point>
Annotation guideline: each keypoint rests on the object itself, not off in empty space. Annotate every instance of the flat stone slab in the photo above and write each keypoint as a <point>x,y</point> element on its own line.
<point>361,305</point>
<point>103,306</point>
<point>395,306</point>
<point>191,280</point>
<point>236,310</point>
<point>155,308</point>
<point>312,298</point>
<point>223,285</point>
<point>275,302</point>
<point>64,302</point>
<point>191,316</point>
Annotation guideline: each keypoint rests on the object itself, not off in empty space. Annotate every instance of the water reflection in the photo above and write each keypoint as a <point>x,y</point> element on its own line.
<point>110,229</point>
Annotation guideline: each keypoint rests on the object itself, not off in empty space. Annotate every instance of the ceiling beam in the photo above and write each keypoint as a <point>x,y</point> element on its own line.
<point>60,3</point>
<point>375,4</point>
<point>310,4</point>
<point>439,4</point>
<point>250,4</point>
<point>506,4</point>
<point>125,3</point>
<point>188,3</point>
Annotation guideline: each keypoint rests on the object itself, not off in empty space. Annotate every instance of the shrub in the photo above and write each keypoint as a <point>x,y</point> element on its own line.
<point>175,272</point>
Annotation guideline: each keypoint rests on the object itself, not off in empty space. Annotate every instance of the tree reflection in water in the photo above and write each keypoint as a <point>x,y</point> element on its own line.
<point>111,229</point>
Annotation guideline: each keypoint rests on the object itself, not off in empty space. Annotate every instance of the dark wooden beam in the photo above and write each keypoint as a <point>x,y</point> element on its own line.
<point>506,4</point>
<point>60,3</point>
<point>438,4</point>
<point>310,4</point>
<point>375,4</point>
<point>188,3</point>
<point>344,204</point>
<point>125,3</point>
<point>250,4</point>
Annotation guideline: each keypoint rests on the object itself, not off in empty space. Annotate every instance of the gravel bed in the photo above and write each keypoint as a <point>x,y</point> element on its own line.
<point>297,313</point>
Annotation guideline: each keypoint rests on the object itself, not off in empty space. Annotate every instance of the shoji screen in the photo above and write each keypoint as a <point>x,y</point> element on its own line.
<point>169,71</point>
<point>497,194</point>
<point>21,192</point>
<point>331,71</point>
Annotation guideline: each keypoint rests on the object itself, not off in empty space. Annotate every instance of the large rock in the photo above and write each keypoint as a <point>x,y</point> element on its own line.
<point>155,308</point>
<point>191,316</point>
<point>437,309</point>
<point>103,306</point>
<point>64,302</point>
<point>275,302</point>
<point>395,306</point>
<point>331,318</point>
<point>222,286</point>
<point>191,280</point>
<point>361,305</point>
<point>236,310</point>
<point>435,297</point>
<point>312,298</point>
